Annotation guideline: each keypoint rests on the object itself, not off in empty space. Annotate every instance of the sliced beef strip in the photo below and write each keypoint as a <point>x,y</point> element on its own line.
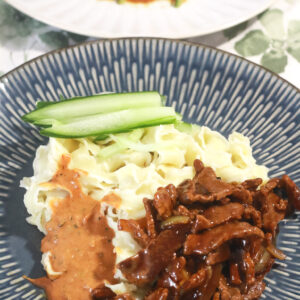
<point>271,216</point>
<point>178,264</point>
<point>184,211</point>
<point>150,218</point>
<point>272,207</point>
<point>198,166</point>
<point>242,195</point>
<point>211,239</point>
<point>211,285</point>
<point>196,280</point>
<point>252,184</point>
<point>253,214</point>
<point>208,286</point>
<point>228,292</point>
<point>270,185</point>
<point>255,291</point>
<point>103,293</point>
<point>173,276</point>
<point>145,266</point>
<point>137,232</point>
<point>204,187</point>
<point>255,248</point>
<point>159,294</point>
<point>220,255</point>
<point>201,223</point>
<point>218,214</point>
<point>292,190</point>
<point>173,288</point>
<point>165,200</point>
<point>248,267</point>
<point>234,273</point>
<point>223,213</point>
<point>176,269</point>
<point>216,296</point>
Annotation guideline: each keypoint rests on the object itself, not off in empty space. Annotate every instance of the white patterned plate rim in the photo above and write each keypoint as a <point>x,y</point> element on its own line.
<point>107,19</point>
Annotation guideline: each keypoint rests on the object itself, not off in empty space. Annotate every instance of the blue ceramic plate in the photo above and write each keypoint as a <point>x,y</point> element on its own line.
<point>207,86</point>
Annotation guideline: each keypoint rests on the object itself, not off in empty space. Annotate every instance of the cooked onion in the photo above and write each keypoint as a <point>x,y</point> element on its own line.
<point>262,264</point>
<point>174,220</point>
<point>276,252</point>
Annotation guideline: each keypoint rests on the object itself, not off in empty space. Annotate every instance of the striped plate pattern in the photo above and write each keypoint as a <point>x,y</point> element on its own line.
<point>105,18</point>
<point>207,86</point>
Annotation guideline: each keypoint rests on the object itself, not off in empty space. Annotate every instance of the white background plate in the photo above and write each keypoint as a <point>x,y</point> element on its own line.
<point>105,18</point>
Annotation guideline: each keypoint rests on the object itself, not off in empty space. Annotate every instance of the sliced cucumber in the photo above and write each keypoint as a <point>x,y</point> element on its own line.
<point>45,122</point>
<point>42,104</point>
<point>113,122</point>
<point>86,106</point>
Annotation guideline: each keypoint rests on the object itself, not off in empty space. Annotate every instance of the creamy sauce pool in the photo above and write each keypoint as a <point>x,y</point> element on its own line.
<point>79,239</point>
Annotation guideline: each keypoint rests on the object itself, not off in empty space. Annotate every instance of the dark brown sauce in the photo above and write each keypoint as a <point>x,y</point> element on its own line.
<point>80,241</point>
<point>112,199</point>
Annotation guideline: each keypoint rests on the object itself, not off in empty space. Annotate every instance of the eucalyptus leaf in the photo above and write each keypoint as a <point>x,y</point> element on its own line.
<point>55,39</point>
<point>253,43</point>
<point>235,30</point>
<point>294,30</point>
<point>294,49</point>
<point>272,20</point>
<point>77,38</point>
<point>274,60</point>
<point>14,24</point>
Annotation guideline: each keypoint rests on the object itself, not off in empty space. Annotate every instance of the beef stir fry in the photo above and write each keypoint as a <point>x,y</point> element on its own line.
<point>207,239</point>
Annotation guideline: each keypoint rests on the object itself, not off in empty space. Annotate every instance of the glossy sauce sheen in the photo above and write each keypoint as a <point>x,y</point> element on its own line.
<point>80,242</point>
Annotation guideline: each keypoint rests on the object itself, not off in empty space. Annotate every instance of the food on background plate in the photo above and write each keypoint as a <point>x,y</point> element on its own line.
<point>176,3</point>
<point>91,190</point>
